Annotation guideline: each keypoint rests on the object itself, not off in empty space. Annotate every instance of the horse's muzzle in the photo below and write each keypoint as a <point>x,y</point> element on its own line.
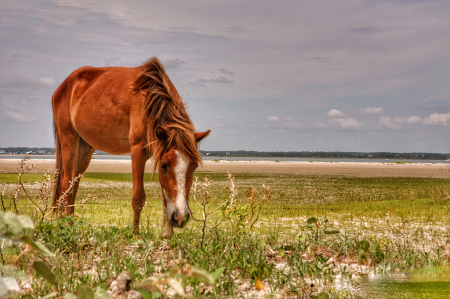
<point>179,219</point>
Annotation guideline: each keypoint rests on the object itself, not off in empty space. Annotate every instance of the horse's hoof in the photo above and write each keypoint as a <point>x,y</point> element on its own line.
<point>166,235</point>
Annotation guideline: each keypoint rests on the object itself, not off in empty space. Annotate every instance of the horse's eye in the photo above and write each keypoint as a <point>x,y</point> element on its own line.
<point>164,166</point>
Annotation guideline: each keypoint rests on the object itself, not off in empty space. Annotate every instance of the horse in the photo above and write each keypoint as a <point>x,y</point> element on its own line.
<point>122,110</point>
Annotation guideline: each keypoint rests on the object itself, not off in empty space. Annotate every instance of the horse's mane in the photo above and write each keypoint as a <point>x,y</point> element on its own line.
<point>164,107</point>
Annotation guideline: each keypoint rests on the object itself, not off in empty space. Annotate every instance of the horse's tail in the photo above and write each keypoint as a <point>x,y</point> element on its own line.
<point>59,169</point>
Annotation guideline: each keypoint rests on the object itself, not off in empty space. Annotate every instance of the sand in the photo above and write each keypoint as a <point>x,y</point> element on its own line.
<point>350,169</point>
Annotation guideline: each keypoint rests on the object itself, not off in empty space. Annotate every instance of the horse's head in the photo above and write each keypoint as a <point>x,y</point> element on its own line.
<point>176,172</point>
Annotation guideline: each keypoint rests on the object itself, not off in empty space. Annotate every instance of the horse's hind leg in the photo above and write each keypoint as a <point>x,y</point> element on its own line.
<point>69,157</point>
<point>76,155</point>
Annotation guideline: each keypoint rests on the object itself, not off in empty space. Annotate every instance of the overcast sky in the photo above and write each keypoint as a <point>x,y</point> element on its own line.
<point>262,75</point>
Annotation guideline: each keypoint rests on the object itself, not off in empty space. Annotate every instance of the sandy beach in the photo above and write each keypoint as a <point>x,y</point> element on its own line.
<point>352,169</point>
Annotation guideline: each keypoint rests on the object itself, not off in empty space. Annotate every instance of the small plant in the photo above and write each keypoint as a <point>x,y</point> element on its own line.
<point>206,202</point>
<point>13,229</point>
<point>22,169</point>
<point>317,229</point>
<point>181,274</point>
<point>42,200</point>
<point>255,206</point>
<point>2,198</point>
<point>239,217</point>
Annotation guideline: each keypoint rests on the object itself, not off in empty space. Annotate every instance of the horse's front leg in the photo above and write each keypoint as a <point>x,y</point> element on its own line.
<point>138,159</point>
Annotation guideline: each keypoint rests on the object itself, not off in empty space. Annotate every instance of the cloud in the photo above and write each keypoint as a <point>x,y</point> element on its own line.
<point>47,81</point>
<point>335,113</point>
<point>184,28</point>
<point>174,63</point>
<point>364,30</point>
<point>237,28</point>
<point>347,123</point>
<point>437,119</point>
<point>408,120</point>
<point>372,110</point>
<point>221,80</point>
<point>201,82</point>
<point>413,120</point>
<point>276,118</point>
<point>386,122</point>
<point>15,80</point>
<point>19,117</point>
<point>226,72</point>
<point>434,119</point>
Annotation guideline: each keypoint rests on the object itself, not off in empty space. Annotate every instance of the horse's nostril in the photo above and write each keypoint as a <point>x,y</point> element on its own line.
<point>178,219</point>
<point>172,219</point>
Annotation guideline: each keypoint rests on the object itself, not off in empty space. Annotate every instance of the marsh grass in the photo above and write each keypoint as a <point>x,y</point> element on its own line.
<point>379,225</point>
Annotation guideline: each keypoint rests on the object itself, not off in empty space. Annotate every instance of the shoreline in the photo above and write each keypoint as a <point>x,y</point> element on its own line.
<point>248,159</point>
<point>352,169</point>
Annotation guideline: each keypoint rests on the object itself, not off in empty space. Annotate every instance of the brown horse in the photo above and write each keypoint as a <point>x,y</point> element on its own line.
<point>122,110</point>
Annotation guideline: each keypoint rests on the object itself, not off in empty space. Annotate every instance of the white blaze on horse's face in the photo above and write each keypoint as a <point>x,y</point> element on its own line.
<point>175,176</point>
<point>180,177</point>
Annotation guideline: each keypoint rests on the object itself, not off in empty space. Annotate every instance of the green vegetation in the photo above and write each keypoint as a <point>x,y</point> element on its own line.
<point>117,177</point>
<point>304,237</point>
<point>426,283</point>
<point>11,178</point>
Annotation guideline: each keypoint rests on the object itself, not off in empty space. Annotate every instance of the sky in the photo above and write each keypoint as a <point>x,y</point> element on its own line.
<point>262,75</point>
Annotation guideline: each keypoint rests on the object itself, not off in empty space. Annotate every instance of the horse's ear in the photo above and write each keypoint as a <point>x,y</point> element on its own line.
<point>161,133</point>
<point>199,136</point>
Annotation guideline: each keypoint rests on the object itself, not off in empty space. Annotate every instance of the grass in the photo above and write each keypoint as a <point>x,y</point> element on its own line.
<point>313,230</point>
<point>11,178</point>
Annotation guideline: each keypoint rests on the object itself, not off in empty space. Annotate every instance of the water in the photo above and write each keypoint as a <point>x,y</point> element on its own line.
<point>128,157</point>
<point>320,160</point>
<point>434,284</point>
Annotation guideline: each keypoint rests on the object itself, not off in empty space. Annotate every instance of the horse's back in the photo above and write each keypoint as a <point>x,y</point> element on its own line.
<point>77,83</point>
<point>99,105</point>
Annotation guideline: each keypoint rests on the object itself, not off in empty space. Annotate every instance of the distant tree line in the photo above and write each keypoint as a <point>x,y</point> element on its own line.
<point>337,155</point>
<point>24,150</point>
<point>330,155</point>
